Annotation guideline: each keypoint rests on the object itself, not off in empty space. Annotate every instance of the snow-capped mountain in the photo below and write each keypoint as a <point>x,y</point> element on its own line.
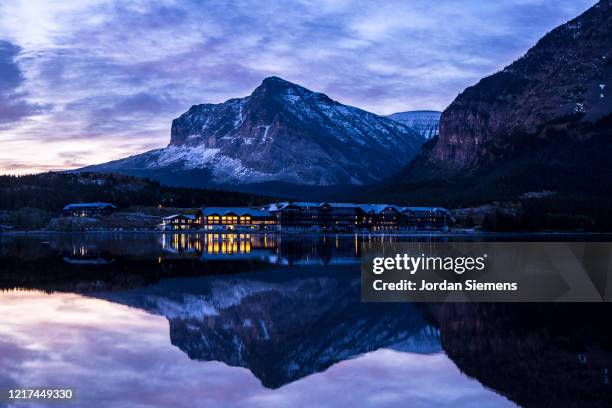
<point>425,122</point>
<point>282,132</point>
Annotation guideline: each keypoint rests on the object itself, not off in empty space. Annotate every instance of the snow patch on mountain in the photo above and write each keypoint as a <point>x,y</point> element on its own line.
<point>191,157</point>
<point>426,123</point>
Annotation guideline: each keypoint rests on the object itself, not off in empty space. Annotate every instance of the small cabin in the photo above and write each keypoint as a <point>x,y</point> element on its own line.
<point>88,209</point>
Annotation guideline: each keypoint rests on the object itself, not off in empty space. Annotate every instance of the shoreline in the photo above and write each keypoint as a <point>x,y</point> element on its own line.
<point>310,233</point>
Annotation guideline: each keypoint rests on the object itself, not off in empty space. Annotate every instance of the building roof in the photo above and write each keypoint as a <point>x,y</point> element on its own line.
<point>367,208</point>
<point>239,211</point>
<point>340,205</point>
<point>88,205</point>
<point>429,209</point>
<point>188,216</point>
<point>378,208</point>
<point>285,204</point>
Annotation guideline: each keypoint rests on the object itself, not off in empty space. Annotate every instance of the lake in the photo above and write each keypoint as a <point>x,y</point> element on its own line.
<point>270,320</point>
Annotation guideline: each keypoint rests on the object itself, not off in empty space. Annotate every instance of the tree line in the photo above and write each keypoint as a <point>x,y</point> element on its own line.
<point>52,191</point>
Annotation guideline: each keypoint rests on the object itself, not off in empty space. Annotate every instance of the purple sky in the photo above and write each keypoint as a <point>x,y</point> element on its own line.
<point>83,82</point>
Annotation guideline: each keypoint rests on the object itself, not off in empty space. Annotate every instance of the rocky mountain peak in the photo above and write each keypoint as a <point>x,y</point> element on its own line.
<point>284,92</point>
<point>282,132</point>
<point>276,84</point>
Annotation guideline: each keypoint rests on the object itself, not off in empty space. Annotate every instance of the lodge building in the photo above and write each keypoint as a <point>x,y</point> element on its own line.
<point>350,217</point>
<point>313,216</point>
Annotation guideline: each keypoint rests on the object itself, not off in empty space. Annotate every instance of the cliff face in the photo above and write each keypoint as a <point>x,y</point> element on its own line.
<point>544,123</point>
<point>564,79</point>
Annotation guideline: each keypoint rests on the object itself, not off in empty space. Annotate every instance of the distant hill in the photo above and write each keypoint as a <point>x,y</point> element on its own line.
<point>424,122</point>
<point>52,191</point>
<point>281,133</point>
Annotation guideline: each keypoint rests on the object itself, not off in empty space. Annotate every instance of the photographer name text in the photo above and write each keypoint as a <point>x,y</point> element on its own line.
<point>411,265</point>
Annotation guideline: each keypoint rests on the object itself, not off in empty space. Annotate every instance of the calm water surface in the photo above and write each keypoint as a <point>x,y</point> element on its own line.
<point>149,320</point>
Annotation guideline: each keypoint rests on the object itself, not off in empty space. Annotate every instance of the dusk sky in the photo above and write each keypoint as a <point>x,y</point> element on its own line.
<point>84,82</point>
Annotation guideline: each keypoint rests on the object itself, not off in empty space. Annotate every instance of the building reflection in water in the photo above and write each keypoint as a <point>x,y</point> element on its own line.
<point>272,248</point>
<point>217,244</point>
<point>81,254</point>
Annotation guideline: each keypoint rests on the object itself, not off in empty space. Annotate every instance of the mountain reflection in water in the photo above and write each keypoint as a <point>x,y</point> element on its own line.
<point>115,356</point>
<point>256,320</point>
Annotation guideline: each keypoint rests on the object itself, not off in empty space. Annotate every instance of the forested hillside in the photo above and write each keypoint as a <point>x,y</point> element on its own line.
<point>52,191</point>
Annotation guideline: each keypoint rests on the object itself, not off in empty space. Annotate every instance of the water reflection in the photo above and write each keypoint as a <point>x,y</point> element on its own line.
<point>86,255</point>
<point>282,328</point>
<point>256,320</point>
<point>287,249</point>
<point>271,248</point>
<point>116,356</point>
<point>121,260</point>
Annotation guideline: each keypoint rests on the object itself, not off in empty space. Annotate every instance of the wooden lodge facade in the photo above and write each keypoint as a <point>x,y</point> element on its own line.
<point>355,217</point>
<point>228,218</point>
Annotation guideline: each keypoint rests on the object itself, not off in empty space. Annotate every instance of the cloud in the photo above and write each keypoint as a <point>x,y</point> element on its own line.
<point>10,76</point>
<point>117,71</point>
<point>13,103</point>
<point>121,114</point>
